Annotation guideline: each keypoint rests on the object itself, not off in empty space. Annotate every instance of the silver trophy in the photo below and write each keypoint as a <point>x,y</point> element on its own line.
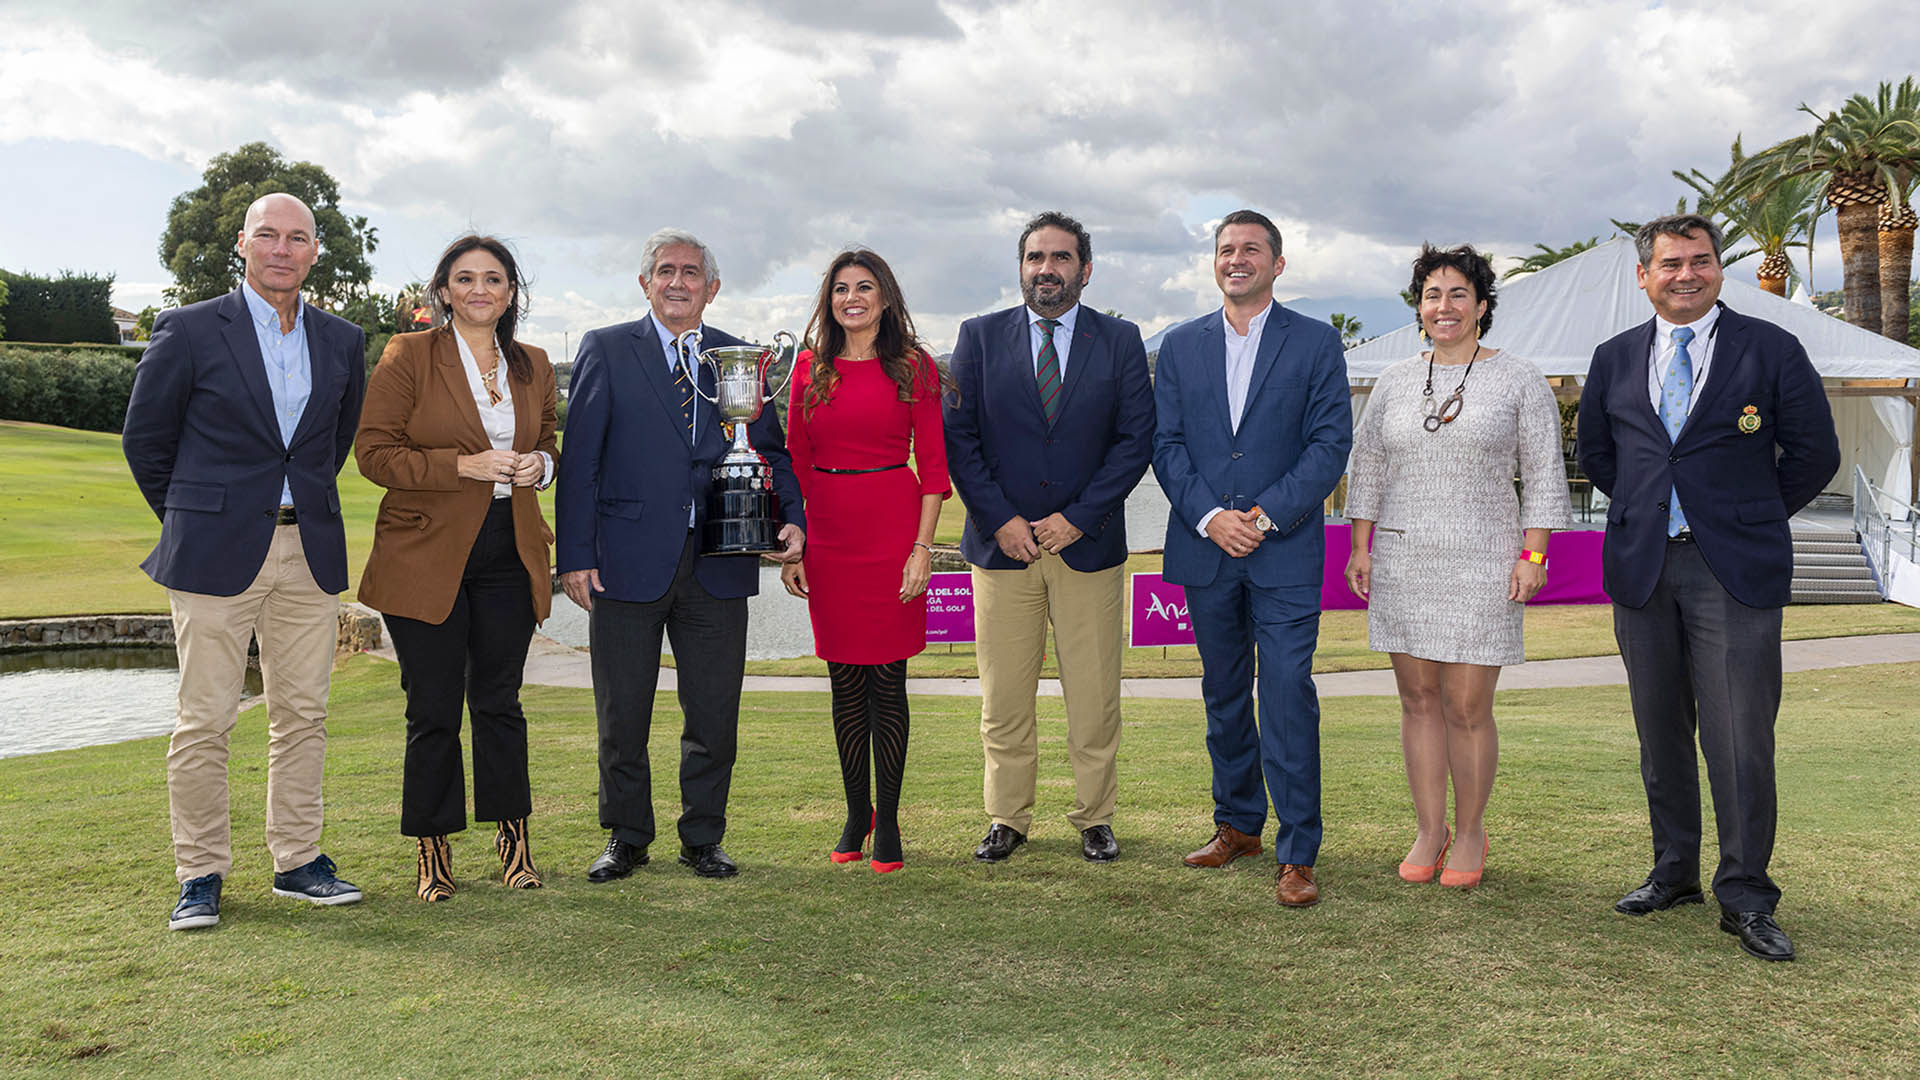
<point>743,513</point>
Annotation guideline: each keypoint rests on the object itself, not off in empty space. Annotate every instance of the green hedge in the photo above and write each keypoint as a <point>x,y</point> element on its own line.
<point>74,387</point>
<point>71,307</point>
<point>130,351</point>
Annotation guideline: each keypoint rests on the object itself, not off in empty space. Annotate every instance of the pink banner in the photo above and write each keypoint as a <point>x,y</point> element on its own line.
<point>1159,610</point>
<point>950,607</point>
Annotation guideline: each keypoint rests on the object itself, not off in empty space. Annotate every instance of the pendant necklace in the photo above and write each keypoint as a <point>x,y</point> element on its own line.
<point>1445,411</point>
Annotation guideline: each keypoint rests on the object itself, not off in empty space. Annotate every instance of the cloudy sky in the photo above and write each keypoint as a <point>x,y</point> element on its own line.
<point>783,130</point>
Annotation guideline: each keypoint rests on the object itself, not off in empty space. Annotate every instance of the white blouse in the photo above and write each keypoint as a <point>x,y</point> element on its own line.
<point>495,419</point>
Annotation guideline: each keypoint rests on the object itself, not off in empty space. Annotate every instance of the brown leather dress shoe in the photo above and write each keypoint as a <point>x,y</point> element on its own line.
<point>1228,844</point>
<point>1295,887</point>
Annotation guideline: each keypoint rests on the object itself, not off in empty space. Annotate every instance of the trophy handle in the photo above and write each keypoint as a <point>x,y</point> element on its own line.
<point>792,346</point>
<point>690,342</point>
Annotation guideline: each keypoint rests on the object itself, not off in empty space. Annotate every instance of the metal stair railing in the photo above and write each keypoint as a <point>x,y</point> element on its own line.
<point>1879,538</point>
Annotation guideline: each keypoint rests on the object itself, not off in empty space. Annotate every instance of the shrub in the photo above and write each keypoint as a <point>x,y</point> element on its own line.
<point>75,388</point>
<point>69,308</point>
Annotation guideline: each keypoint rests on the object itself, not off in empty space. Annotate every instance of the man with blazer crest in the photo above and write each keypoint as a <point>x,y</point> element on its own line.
<point>242,413</point>
<point>1709,430</point>
<point>639,451</point>
<point>1254,429</point>
<point>1049,430</point>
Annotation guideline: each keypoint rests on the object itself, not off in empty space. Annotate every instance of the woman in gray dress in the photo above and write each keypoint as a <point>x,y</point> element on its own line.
<point>1455,554</point>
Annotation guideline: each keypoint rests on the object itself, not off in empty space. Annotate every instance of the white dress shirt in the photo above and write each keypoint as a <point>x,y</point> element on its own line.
<point>1062,338</point>
<point>1242,349</point>
<point>1700,350</point>
<point>671,346</point>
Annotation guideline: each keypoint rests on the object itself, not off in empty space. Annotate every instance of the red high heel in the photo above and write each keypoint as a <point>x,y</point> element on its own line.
<point>838,856</point>
<point>1467,879</point>
<point>1419,874</point>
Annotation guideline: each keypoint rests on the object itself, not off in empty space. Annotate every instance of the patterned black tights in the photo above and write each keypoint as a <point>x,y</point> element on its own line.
<point>870,708</point>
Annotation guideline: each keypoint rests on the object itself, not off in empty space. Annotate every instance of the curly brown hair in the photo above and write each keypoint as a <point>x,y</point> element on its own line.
<point>1470,263</point>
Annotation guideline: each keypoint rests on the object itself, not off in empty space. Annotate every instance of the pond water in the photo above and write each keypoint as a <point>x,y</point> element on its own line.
<point>57,699</point>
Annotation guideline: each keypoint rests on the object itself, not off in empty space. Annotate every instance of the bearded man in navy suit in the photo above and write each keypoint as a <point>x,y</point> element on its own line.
<point>630,501</point>
<point>1254,429</point>
<point>1050,427</point>
<point>1709,430</point>
<point>243,411</point>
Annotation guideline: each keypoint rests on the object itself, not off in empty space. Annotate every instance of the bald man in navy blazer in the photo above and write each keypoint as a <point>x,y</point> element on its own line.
<point>243,412</point>
<point>1709,430</point>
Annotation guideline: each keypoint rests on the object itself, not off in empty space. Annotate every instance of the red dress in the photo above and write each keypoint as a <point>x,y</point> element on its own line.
<point>861,526</point>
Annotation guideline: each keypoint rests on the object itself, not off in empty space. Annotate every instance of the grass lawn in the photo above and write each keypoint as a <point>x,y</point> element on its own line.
<point>1042,967</point>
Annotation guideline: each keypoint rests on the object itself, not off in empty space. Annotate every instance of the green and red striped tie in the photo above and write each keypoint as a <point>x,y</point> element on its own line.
<point>1047,371</point>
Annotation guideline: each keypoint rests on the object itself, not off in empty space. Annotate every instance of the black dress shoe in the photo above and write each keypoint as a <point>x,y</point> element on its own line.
<point>1098,845</point>
<point>999,843</point>
<point>1658,896</point>
<point>708,860</point>
<point>619,860</point>
<point>1759,935</point>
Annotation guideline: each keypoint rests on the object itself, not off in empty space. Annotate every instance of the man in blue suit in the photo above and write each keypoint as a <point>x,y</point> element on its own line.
<point>243,411</point>
<point>1254,429</point>
<point>1050,428</point>
<point>630,502</point>
<point>1708,430</point>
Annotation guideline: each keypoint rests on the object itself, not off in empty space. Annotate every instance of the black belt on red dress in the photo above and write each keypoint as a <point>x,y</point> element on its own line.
<point>851,472</point>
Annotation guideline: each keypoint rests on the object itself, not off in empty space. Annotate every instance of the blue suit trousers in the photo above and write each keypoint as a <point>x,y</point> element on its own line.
<point>1236,622</point>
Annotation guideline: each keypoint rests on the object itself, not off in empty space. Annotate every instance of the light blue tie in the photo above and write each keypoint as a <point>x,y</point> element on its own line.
<point>1675,394</point>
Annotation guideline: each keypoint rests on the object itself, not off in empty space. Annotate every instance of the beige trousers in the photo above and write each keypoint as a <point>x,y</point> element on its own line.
<point>1011,610</point>
<point>297,624</point>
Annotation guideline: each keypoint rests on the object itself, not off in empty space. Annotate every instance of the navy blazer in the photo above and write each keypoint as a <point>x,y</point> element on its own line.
<point>1738,488</point>
<point>1006,460</point>
<point>628,474</point>
<point>1286,458</point>
<point>202,443</point>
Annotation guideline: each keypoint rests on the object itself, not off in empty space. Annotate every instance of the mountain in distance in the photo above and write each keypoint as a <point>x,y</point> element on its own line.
<point>1377,315</point>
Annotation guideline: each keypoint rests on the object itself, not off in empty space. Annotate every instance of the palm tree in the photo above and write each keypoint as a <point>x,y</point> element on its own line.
<point>1547,256</point>
<point>1349,328</point>
<point>1864,150</point>
<point>1897,222</point>
<point>1771,221</point>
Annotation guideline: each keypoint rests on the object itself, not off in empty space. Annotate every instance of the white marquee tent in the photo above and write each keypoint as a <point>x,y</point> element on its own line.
<point>1556,316</point>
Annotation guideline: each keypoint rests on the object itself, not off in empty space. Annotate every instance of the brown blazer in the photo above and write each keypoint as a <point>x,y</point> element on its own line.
<point>419,415</point>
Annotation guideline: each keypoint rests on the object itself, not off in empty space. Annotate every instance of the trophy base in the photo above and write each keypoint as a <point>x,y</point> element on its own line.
<point>743,513</point>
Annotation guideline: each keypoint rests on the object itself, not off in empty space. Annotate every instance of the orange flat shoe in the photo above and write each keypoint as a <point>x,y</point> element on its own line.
<point>1420,875</point>
<point>1467,879</point>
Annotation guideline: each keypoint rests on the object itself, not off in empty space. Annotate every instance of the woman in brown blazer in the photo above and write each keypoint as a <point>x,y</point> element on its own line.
<point>458,427</point>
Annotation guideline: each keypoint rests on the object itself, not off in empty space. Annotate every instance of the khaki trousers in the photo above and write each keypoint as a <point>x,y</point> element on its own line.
<point>297,625</point>
<point>1011,610</point>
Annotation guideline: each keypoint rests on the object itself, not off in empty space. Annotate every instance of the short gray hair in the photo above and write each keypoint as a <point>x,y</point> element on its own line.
<point>1681,225</point>
<point>667,238</point>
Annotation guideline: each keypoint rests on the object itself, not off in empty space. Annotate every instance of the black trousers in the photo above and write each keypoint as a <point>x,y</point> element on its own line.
<point>478,654</point>
<point>1701,663</point>
<point>709,637</point>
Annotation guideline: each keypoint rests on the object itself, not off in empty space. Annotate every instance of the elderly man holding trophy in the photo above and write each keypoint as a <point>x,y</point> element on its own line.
<point>673,479</point>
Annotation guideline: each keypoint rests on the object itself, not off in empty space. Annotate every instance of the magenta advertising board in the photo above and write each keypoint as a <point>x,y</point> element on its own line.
<point>1159,613</point>
<point>950,607</point>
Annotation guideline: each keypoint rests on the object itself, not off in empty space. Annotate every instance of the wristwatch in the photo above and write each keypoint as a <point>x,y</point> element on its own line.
<point>1263,522</point>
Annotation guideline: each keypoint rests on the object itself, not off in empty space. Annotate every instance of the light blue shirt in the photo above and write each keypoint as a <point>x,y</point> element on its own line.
<point>1062,338</point>
<point>671,347</point>
<point>289,367</point>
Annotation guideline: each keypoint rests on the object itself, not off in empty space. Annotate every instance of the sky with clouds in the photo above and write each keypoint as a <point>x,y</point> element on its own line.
<point>783,130</point>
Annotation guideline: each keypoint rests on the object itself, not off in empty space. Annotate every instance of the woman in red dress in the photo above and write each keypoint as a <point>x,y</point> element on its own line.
<point>865,396</point>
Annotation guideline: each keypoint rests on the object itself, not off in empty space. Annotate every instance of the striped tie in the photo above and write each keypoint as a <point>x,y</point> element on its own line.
<point>685,387</point>
<point>1676,394</point>
<point>1047,371</point>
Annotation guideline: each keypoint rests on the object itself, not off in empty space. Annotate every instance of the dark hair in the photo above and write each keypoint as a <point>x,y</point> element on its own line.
<point>519,366</point>
<point>1682,225</point>
<point>1054,219</point>
<point>896,344</point>
<point>1249,217</point>
<point>1470,263</point>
